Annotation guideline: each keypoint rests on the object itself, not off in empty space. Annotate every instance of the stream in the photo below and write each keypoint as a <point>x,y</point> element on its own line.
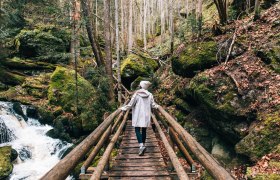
<point>37,153</point>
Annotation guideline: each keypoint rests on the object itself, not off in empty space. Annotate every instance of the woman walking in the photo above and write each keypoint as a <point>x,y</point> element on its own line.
<point>141,103</point>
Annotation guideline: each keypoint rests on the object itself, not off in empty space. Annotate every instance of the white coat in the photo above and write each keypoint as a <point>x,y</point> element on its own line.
<point>141,103</point>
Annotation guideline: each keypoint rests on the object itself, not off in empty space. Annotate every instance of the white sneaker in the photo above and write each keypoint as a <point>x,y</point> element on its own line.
<point>142,150</point>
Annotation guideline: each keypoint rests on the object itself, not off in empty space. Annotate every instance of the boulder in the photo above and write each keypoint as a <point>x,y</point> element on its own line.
<point>263,137</point>
<point>18,109</point>
<point>45,43</point>
<point>135,66</point>
<point>234,102</point>
<point>91,103</point>
<point>196,57</point>
<point>6,167</point>
<point>10,78</point>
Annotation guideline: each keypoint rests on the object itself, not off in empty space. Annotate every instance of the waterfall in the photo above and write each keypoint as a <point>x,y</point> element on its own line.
<point>37,153</point>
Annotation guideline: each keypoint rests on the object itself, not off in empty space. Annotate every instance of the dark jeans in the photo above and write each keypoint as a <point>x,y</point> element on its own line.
<point>141,137</point>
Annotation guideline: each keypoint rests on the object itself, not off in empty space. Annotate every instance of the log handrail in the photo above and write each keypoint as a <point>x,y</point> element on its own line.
<point>96,149</point>
<point>174,159</point>
<point>63,168</point>
<point>208,161</point>
<point>182,147</point>
<point>104,159</point>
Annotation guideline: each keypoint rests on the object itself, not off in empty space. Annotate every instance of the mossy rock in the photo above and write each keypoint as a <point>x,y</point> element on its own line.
<point>46,43</point>
<point>62,93</point>
<point>196,57</point>
<point>61,90</point>
<point>6,167</point>
<point>10,78</point>
<point>262,139</point>
<point>25,64</point>
<point>134,66</point>
<point>223,107</point>
<point>272,58</point>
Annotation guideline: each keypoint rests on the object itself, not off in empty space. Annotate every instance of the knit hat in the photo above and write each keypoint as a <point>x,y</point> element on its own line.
<point>145,84</point>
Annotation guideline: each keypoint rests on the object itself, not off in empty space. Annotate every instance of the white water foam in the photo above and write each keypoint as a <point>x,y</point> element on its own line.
<point>38,153</point>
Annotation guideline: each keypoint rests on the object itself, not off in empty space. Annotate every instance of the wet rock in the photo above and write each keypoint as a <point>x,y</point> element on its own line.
<point>32,112</point>
<point>6,167</point>
<point>18,109</point>
<point>25,153</point>
<point>14,154</point>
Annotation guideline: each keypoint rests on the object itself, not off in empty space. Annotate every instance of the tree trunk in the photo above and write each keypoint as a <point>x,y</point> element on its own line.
<point>130,38</point>
<point>122,26</point>
<point>108,52</point>
<point>257,10</point>
<point>199,17</point>
<point>145,25</point>
<point>75,40</point>
<point>118,51</point>
<point>96,19</point>
<point>171,27</point>
<point>91,35</point>
<point>221,6</point>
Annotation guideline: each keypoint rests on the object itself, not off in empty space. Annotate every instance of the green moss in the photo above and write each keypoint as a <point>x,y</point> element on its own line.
<point>10,78</point>
<point>46,43</point>
<point>263,139</point>
<point>62,89</point>
<point>6,167</point>
<point>134,66</point>
<point>223,108</point>
<point>24,64</point>
<point>182,105</point>
<point>196,57</point>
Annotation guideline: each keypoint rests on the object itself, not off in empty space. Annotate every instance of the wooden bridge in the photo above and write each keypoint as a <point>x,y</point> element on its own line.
<point>116,128</point>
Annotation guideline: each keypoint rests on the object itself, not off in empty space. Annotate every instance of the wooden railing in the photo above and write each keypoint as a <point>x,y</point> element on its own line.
<point>208,161</point>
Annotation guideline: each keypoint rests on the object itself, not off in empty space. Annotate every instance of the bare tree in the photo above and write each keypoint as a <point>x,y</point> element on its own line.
<point>171,26</point>
<point>91,35</point>
<point>221,6</point>
<point>199,17</point>
<point>76,20</point>
<point>257,10</point>
<point>130,38</point>
<point>108,52</point>
<point>118,50</point>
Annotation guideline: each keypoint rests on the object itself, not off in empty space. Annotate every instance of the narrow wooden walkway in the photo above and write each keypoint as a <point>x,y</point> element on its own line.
<point>129,165</point>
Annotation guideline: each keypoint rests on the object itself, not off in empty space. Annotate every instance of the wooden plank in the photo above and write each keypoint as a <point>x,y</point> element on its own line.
<point>136,156</point>
<point>137,164</point>
<point>140,178</point>
<point>124,146</point>
<point>136,150</point>
<point>139,168</point>
<point>138,160</point>
<point>125,138</point>
<point>136,143</point>
<point>137,173</point>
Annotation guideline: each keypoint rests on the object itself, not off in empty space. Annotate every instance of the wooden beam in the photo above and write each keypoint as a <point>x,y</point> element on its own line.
<point>174,159</point>
<point>101,164</point>
<point>117,122</point>
<point>181,147</point>
<point>95,151</point>
<point>208,161</point>
<point>63,168</point>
